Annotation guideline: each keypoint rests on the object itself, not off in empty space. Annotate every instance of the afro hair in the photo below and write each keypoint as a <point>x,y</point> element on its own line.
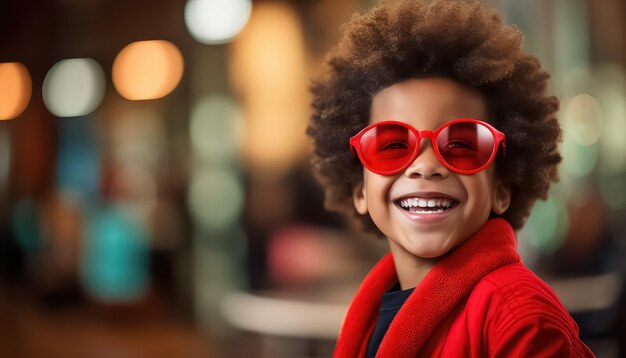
<point>461,40</point>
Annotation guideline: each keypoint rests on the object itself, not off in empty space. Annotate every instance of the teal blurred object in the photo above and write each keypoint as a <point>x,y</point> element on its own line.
<point>25,226</point>
<point>547,225</point>
<point>78,165</point>
<point>115,261</point>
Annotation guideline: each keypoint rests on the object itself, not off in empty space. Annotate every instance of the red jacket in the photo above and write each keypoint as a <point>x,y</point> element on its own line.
<point>477,301</point>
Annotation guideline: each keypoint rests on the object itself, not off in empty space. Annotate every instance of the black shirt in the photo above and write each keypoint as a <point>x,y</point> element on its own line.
<point>392,300</point>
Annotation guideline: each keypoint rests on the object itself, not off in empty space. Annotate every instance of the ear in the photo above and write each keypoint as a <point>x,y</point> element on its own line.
<point>359,198</point>
<point>501,198</point>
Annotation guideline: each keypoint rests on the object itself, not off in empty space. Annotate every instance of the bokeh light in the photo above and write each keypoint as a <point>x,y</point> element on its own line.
<point>579,160</point>
<point>216,21</point>
<point>215,197</point>
<point>583,119</point>
<point>547,225</point>
<point>215,128</point>
<point>15,89</point>
<point>147,69</point>
<point>74,87</point>
<point>611,89</point>
<point>268,71</point>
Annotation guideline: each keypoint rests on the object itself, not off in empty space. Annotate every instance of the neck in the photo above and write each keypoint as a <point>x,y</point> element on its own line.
<point>410,269</point>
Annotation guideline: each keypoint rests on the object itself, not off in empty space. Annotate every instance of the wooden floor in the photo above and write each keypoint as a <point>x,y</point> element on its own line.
<point>28,329</point>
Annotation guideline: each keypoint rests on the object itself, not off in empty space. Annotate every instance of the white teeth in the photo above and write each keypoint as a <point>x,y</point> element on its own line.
<point>427,211</point>
<point>426,203</point>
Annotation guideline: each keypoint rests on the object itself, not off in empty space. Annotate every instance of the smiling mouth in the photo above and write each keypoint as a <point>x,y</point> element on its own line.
<point>426,205</point>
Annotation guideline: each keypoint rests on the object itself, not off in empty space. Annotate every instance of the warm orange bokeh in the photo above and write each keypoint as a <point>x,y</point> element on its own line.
<point>269,73</point>
<point>15,89</point>
<point>147,69</point>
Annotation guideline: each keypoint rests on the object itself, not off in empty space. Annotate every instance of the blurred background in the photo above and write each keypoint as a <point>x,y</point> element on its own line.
<point>155,193</point>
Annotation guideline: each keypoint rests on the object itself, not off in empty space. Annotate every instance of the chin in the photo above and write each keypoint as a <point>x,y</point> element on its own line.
<point>428,246</point>
<point>427,251</point>
<point>429,254</point>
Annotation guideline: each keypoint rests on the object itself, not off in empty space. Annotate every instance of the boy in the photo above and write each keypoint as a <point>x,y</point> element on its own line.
<point>433,130</point>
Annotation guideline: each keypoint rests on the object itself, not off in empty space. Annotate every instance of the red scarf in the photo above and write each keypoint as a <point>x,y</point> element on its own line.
<point>449,282</point>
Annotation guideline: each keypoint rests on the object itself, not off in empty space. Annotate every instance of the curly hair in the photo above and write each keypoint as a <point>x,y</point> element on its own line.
<point>460,40</point>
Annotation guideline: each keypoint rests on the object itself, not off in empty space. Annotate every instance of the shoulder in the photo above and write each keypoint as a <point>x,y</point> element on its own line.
<point>520,314</point>
<point>514,290</point>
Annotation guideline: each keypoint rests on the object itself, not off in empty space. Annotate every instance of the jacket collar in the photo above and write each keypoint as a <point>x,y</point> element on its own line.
<point>449,282</point>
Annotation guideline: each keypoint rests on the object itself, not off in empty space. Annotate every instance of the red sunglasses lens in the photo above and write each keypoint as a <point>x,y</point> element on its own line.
<point>466,145</point>
<point>387,147</point>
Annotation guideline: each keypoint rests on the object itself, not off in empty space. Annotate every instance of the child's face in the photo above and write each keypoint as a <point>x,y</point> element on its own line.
<point>427,104</point>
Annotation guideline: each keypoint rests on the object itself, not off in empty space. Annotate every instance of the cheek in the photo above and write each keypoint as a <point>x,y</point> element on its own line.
<point>377,191</point>
<point>480,192</point>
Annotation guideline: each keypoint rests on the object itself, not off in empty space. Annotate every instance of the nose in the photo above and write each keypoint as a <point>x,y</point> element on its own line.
<point>426,165</point>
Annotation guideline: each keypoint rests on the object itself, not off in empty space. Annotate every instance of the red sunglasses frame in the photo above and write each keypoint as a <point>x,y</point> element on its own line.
<point>498,136</point>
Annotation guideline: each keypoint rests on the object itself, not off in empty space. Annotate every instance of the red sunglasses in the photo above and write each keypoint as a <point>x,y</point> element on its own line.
<point>465,146</point>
